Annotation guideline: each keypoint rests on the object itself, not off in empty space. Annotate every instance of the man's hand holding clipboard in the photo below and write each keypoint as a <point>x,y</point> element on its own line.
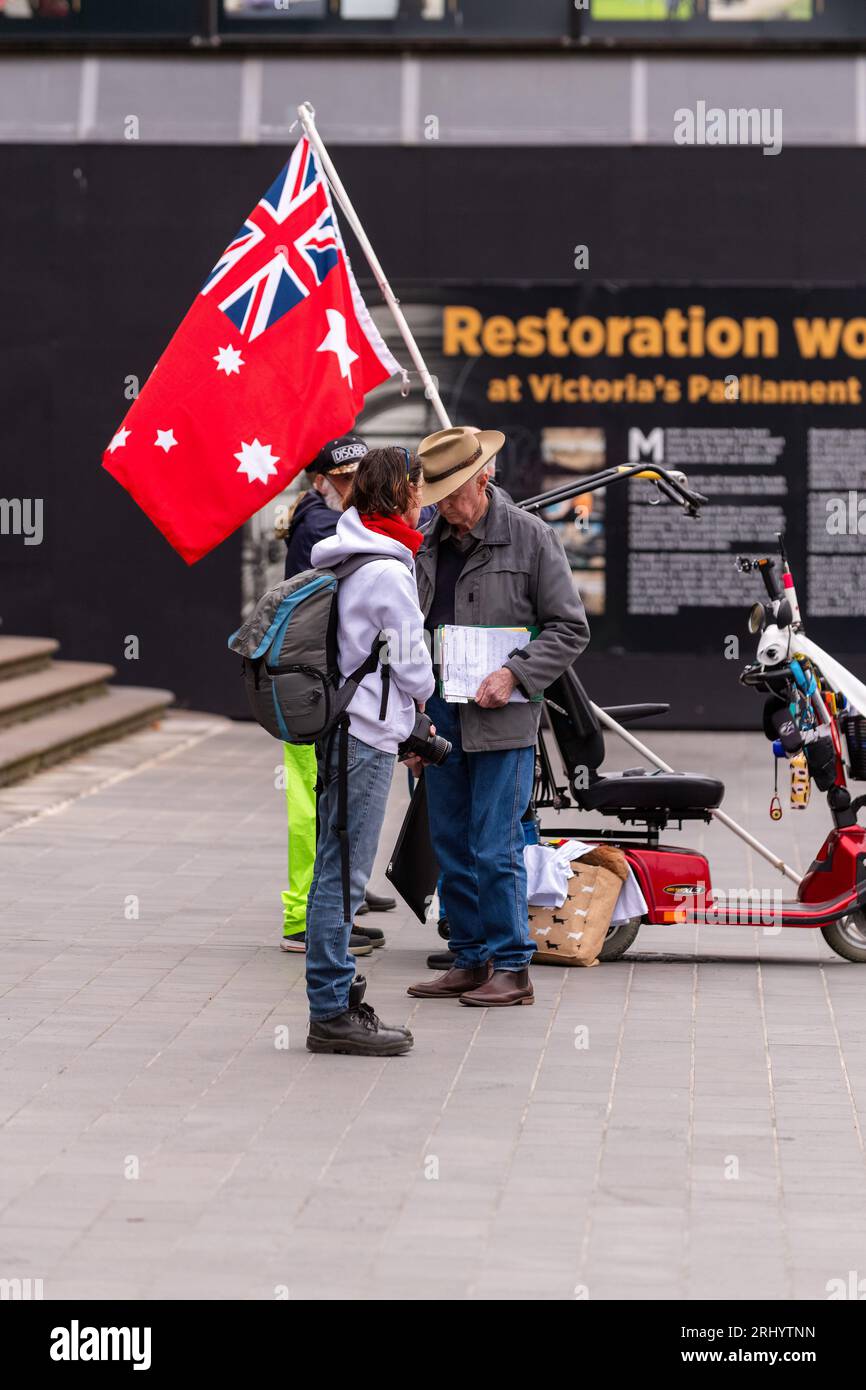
<point>496,689</point>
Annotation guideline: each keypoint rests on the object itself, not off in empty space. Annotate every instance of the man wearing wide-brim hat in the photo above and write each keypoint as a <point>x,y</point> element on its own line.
<point>486,563</point>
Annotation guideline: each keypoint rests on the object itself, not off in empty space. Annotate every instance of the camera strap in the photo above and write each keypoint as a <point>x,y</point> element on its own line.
<point>341,829</point>
<point>340,731</point>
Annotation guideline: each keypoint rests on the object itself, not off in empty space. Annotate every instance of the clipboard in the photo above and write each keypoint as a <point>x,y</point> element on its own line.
<point>512,640</point>
<point>413,868</point>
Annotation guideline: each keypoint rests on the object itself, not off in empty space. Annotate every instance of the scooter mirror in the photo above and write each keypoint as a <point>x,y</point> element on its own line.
<point>784,614</point>
<point>756,618</point>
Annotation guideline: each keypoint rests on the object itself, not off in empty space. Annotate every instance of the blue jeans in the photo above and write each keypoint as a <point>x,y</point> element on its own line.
<point>475,802</point>
<point>330,967</point>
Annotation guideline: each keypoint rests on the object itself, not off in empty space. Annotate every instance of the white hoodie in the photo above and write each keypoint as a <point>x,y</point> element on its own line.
<point>381,596</point>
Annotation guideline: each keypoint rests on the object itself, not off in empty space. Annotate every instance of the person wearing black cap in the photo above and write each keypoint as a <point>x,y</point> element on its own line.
<point>331,473</point>
<point>315,516</point>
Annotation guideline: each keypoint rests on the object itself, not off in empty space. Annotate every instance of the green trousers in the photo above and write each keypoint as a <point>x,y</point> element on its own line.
<point>300,765</point>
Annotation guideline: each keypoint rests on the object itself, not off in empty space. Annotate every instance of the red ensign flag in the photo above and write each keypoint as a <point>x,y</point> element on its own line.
<point>273,359</point>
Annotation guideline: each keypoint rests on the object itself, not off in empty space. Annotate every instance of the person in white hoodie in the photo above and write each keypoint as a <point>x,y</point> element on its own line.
<point>379,597</point>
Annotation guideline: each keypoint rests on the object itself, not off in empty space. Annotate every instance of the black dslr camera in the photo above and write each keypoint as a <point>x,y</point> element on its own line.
<point>431,747</point>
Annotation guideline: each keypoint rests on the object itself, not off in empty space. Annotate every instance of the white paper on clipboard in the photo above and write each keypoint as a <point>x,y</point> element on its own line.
<point>468,654</point>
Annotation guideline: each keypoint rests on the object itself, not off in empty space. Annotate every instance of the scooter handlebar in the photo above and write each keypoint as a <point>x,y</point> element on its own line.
<point>673,485</point>
<point>766,567</point>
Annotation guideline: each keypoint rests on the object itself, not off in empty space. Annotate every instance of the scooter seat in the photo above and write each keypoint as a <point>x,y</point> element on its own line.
<point>676,792</point>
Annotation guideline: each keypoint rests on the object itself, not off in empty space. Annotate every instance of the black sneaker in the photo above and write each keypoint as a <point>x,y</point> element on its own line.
<point>374,935</point>
<point>358,1033</point>
<point>440,960</point>
<point>296,942</point>
<point>358,945</point>
<point>375,902</point>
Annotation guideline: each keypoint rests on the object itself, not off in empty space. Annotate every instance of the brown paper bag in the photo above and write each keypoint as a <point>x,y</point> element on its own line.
<point>574,933</point>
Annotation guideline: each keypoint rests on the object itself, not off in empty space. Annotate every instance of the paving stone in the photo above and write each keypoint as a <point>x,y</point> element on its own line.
<point>496,1161</point>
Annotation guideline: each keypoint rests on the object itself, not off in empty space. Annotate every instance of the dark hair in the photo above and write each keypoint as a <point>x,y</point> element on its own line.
<point>384,481</point>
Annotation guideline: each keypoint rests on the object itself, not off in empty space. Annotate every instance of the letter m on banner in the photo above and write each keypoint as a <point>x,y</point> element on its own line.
<point>646,448</point>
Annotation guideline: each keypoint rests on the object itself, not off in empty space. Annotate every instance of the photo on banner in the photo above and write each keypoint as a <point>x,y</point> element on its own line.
<point>707,21</point>
<point>642,9</point>
<point>579,522</point>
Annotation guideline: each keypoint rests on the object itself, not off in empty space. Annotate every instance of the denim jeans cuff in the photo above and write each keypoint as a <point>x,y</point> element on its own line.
<point>468,960</point>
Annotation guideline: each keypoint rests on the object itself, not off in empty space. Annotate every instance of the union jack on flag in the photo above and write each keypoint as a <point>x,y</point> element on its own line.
<point>273,359</point>
<point>286,247</point>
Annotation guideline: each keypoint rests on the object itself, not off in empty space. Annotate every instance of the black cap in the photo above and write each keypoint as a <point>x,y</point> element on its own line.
<point>340,455</point>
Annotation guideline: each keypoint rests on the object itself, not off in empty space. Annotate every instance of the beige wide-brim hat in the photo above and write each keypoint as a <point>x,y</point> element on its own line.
<point>451,457</point>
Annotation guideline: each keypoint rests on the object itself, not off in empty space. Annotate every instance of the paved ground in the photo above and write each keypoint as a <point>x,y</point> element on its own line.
<point>158,1140</point>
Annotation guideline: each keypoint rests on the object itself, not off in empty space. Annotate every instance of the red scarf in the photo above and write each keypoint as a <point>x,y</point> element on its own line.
<point>396,528</point>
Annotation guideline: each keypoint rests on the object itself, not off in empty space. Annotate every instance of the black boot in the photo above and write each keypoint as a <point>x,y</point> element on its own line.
<point>359,1033</point>
<point>357,990</point>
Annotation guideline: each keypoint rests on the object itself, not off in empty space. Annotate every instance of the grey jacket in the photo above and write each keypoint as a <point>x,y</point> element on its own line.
<point>518,575</point>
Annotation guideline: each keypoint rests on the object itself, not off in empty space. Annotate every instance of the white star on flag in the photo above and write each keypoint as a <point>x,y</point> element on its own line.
<point>228,360</point>
<point>257,461</point>
<point>336,341</point>
<point>119,440</point>
<point>165,440</point>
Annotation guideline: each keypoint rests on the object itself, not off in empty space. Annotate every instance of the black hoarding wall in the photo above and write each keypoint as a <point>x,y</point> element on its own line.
<point>101,255</point>
<point>756,394</point>
<point>103,248</point>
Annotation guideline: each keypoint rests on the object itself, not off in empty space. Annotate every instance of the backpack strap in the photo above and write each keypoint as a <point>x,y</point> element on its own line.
<point>386,689</point>
<point>343,568</point>
<point>369,666</point>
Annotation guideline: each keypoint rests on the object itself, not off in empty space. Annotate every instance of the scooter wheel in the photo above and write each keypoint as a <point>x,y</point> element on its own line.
<point>619,938</point>
<point>848,937</point>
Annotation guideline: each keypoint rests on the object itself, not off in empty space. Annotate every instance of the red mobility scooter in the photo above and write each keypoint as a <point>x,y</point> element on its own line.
<point>814,714</point>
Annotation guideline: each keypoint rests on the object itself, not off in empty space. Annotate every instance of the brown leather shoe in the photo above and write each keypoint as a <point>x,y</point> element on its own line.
<point>452,984</point>
<point>503,988</point>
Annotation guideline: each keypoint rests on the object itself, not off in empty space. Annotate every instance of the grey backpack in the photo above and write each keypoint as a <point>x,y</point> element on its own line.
<point>288,647</point>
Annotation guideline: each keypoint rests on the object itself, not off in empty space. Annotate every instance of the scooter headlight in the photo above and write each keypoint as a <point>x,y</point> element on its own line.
<point>773,646</point>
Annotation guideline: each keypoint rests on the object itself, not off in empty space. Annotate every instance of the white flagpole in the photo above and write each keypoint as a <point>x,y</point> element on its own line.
<point>307,117</point>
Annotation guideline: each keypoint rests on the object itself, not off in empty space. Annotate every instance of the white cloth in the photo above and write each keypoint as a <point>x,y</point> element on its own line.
<point>381,596</point>
<point>630,903</point>
<point>548,869</point>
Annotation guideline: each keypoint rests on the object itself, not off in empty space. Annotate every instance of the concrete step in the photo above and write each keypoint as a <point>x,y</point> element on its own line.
<point>59,683</point>
<point>20,655</point>
<point>26,748</point>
